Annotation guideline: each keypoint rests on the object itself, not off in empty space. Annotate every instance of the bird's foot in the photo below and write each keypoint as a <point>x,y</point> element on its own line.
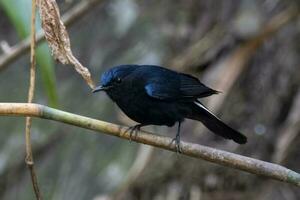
<point>134,130</point>
<point>177,144</point>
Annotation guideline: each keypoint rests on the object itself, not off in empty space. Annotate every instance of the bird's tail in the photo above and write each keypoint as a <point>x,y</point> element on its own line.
<point>201,113</point>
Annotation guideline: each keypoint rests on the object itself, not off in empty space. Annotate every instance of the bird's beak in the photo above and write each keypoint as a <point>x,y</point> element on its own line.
<point>100,88</point>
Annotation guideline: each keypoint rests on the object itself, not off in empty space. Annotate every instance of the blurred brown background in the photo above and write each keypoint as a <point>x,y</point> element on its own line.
<point>249,49</point>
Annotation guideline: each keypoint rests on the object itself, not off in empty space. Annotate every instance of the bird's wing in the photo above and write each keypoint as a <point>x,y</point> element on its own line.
<point>162,91</point>
<point>191,87</point>
<point>183,87</point>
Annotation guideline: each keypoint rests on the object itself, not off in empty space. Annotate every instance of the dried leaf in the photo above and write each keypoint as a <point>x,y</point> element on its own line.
<point>58,38</point>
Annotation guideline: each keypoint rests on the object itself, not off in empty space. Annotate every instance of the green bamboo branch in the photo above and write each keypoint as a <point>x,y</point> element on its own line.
<point>228,159</point>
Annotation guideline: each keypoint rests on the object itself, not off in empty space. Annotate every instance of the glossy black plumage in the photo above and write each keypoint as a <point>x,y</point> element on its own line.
<point>153,95</point>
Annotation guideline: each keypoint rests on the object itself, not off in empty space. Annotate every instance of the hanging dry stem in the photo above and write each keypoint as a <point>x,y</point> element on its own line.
<point>58,38</point>
<point>29,156</point>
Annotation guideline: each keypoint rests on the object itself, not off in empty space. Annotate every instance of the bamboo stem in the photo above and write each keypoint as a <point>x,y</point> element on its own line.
<point>228,159</point>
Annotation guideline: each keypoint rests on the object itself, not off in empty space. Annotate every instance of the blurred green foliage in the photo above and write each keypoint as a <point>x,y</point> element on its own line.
<point>19,15</point>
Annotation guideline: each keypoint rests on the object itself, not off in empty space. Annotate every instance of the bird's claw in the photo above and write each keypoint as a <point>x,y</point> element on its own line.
<point>177,144</point>
<point>133,130</point>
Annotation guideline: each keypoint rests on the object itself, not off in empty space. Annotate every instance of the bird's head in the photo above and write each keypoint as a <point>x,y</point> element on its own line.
<point>114,77</point>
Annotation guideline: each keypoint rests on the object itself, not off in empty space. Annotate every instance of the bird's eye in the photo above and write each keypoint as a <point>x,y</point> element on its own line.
<point>119,80</point>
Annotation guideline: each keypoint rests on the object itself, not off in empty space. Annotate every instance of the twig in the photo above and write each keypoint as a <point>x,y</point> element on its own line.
<point>195,56</point>
<point>14,170</point>
<point>141,161</point>
<point>29,157</point>
<point>290,132</point>
<point>232,67</point>
<point>69,18</point>
<point>228,159</point>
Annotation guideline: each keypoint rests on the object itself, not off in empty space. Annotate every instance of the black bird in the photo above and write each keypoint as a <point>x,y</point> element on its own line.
<point>153,95</point>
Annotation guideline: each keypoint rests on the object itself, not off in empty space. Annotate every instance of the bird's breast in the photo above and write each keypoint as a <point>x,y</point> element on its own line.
<point>146,110</point>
